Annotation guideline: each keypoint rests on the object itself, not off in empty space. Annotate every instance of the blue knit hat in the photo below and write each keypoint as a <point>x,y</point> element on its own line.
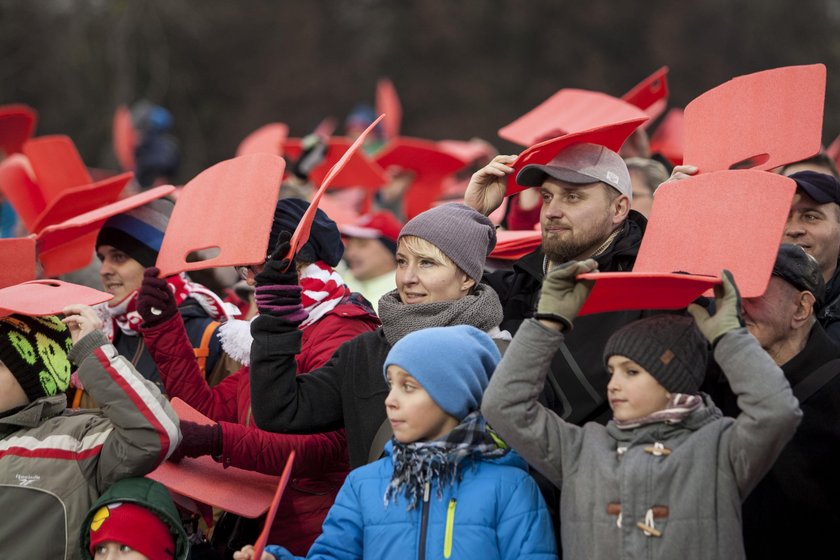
<point>453,364</point>
<point>139,232</point>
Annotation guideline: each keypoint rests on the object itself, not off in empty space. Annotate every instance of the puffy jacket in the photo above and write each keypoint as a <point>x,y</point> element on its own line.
<point>55,462</point>
<point>495,512</point>
<point>143,492</point>
<point>321,461</point>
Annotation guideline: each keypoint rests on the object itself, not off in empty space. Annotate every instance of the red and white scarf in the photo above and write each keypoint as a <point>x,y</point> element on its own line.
<point>125,316</point>
<point>323,290</point>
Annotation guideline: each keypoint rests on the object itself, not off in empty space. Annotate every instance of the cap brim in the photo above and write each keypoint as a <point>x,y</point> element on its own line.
<point>816,193</point>
<point>533,176</point>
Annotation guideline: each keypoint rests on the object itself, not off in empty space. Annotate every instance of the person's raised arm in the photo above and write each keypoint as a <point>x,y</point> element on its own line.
<point>487,187</point>
<point>511,401</point>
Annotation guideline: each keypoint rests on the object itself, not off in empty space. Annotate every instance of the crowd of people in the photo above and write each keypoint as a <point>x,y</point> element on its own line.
<point>437,406</point>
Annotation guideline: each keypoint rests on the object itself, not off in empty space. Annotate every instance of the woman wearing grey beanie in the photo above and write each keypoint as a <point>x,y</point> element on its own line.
<point>440,259</point>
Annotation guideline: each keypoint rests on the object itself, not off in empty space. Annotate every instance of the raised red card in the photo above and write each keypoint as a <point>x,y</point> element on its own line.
<point>17,123</point>
<point>569,111</point>
<point>388,103</point>
<point>124,137</point>
<point>612,136</point>
<point>17,261</point>
<point>69,245</point>
<point>46,297</point>
<point>228,207</point>
<point>359,171</point>
<point>651,94</point>
<point>758,121</point>
<point>267,139</point>
<point>698,227</point>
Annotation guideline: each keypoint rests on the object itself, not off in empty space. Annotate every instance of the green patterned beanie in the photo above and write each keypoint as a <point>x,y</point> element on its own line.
<point>35,351</point>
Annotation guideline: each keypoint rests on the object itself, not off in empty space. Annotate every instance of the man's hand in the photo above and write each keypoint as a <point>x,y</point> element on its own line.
<point>681,172</point>
<point>562,294</point>
<point>81,320</point>
<point>727,315</point>
<point>487,187</point>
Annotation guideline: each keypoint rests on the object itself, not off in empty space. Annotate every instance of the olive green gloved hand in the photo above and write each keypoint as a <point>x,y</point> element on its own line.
<point>562,295</point>
<point>727,315</point>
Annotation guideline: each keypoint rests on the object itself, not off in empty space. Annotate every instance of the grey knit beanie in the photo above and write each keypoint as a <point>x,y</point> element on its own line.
<point>669,347</point>
<point>464,235</point>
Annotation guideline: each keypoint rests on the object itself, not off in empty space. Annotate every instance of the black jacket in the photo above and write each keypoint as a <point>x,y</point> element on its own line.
<point>793,513</point>
<point>577,386</point>
<point>829,315</point>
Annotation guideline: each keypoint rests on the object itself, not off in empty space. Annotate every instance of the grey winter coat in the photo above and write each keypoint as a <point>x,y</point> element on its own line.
<point>611,480</point>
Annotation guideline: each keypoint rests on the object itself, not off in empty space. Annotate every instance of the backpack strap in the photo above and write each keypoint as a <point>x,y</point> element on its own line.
<point>383,434</point>
<point>203,350</point>
<point>806,388</point>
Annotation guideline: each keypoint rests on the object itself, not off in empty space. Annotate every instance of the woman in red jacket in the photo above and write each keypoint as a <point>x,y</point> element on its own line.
<point>334,316</point>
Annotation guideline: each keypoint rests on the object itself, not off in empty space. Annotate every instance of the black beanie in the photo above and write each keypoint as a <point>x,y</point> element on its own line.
<point>35,350</point>
<point>324,242</point>
<point>669,347</point>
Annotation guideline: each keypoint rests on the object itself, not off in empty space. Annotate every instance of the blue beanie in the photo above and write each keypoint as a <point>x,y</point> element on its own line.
<point>456,372</point>
<point>139,232</point>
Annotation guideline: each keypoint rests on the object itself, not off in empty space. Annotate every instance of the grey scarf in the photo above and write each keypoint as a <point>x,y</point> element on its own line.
<point>481,309</point>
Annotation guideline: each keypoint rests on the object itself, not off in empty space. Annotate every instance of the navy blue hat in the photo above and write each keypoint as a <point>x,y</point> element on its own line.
<point>819,186</point>
<point>456,373</point>
<point>324,242</point>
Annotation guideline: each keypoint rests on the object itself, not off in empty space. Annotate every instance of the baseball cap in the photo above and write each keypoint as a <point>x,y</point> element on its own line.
<point>800,270</point>
<point>581,164</point>
<point>381,225</point>
<point>819,186</point>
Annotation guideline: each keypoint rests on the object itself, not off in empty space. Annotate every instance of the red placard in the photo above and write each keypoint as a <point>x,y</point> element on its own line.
<point>569,111</point>
<point>359,171</point>
<point>17,123</point>
<point>17,261</point>
<point>267,139</point>
<point>228,207</point>
<point>612,136</point>
<point>262,541</point>
<point>388,103</point>
<point>650,95</point>
<point>758,121</point>
<point>697,228</point>
<point>241,492</point>
<point>46,297</point>
<point>69,245</point>
<point>124,137</point>
<point>512,245</point>
<point>430,165</point>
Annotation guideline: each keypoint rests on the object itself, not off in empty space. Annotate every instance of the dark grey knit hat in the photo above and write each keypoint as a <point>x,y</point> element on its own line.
<point>464,235</point>
<point>669,347</point>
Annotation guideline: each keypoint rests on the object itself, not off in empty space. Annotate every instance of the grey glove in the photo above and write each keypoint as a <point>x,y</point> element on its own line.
<point>727,315</point>
<point>562,295</point>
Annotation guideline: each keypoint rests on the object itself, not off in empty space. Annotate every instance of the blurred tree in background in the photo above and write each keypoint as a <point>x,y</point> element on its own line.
<point>461,68</point>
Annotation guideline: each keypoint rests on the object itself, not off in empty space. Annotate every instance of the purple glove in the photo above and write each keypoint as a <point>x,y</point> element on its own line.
<point>278,292</point>
<point>155,301</point>
<point>198,440</point>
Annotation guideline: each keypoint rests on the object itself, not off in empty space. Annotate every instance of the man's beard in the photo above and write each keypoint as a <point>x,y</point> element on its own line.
<point>560,250</point>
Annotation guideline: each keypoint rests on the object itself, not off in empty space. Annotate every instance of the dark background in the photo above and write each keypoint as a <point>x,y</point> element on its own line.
<point>462,68</point>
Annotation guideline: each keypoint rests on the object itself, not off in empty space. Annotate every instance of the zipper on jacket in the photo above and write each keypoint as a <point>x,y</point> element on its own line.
<point>450,526</point>
<point>424,523</point>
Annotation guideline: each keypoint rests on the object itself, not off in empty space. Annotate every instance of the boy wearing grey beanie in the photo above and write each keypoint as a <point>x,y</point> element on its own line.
<point>665,478</point>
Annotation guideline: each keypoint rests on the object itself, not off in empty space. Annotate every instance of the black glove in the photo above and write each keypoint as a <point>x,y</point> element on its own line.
<point>313,152</point>
<point>155,301</point>
<point>278,293</point>
<point>198,440</point>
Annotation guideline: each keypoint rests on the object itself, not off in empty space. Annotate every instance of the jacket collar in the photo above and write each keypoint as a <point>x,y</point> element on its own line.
<point>33,414</point>
<point>819,349</point>
<point>660,431</point>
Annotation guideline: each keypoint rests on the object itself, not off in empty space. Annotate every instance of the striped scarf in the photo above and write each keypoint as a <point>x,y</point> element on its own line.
<point>322,289</point>
<point>423,462</point>
<point>678,408</point>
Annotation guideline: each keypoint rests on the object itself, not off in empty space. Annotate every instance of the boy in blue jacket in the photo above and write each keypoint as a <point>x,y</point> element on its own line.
<point>447,487</point>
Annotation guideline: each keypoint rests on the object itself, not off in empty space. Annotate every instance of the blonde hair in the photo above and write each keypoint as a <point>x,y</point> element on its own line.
<point>419,247</point>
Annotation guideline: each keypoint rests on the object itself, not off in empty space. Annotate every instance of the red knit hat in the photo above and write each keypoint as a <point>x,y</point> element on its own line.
<point>134,526</point>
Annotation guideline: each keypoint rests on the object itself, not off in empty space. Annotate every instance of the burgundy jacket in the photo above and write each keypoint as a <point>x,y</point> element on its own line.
<point>321,460</point>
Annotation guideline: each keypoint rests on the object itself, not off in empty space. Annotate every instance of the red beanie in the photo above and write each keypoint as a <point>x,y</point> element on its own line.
<point>134,526</point>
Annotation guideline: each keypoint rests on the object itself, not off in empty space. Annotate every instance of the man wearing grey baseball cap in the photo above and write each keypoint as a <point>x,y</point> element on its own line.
<point>586,192</point>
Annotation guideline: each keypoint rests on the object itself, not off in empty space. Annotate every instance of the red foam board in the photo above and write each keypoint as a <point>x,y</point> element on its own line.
<point>124,138</point>
<point>46,297</point>
<point>17,261</point>
<point>267,139</point>
<point>17,123</point>
<point>650,95</point>
<point>359,171</point>
<point>388,102</point>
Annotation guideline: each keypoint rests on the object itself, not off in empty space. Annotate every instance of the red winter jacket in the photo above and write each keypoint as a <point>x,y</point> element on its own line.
<point>321,460</point>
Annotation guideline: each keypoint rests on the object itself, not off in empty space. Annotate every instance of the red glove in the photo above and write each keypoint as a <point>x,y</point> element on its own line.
<point>155,301</point>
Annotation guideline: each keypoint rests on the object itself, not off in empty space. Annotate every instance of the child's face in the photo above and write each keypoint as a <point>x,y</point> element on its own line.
<point>632,391</point>
<point>11,393</point>
<point>111,550</point>
<point>413,414</point>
